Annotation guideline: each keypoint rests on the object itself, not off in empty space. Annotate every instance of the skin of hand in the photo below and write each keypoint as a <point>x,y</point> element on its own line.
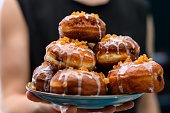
<point>73,109</point>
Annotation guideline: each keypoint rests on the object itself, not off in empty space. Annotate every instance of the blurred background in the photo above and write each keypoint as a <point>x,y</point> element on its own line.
<point>160,10</point>
<point>125,17</point>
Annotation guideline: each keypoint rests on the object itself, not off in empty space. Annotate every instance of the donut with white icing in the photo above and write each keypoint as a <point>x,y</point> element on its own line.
<point>140,76</point>
<point>82,26</point>
<point>113,49</point>
<point>67,52</point>
<point>41,77</point>
<point>77,82</point>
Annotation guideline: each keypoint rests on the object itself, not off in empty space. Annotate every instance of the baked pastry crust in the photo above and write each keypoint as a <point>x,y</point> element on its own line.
<point>82,26</point>
<point>113,49</point>
<point>65,53</point>
<point>132,77</point>
<point>41,77</point>
<point>77,82</point>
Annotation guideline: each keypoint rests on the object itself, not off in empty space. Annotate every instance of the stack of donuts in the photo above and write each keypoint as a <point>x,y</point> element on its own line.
<point>85,61</point>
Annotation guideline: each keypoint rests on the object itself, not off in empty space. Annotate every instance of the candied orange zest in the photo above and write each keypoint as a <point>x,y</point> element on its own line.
<point>77,43</point>
<point>54,42</point>
<point>114,67</point>
<point>119,63</point>
<point>128,60</point>
<point>123,40</point>
<point>44,63</point>
<point>99,74</point>
<point>64,40</point>
<point>107,37</point>
<point>85,47</point>
<point>84,68</point>
<point>82,53</point>
<point>106,80</point>
<point>82,13</point>
<point>114,35</point>
<point>79,72</point>
<point>142,58</point>
<point>92,44</point>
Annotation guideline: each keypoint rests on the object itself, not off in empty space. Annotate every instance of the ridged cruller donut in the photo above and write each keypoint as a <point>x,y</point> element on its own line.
<point>41,77</point>
<point>113,49</point>
<point>78,82</point>
<point>67,52</point>
<point>141,76</point>
<point>82,26</point>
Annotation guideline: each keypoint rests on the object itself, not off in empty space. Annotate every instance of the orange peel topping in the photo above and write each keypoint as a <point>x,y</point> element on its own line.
<point>84,68</point>
<point>82,53</point>
<point>85,47</point>
<point>119,63</point>
<point>44,64</point>
<point>64,40</point>
<point>106,80</point>
<point>107,37</point>
<point>124,40</point>
<point>99,74</point>
<point>54,42</point>
<point>142,58</point>
<point>82,13</point>
<point>79,72</point>
<point>77,43</point>
<point>92,44</point>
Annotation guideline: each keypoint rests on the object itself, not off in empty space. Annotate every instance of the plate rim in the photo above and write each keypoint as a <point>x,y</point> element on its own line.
<point>28,87</point>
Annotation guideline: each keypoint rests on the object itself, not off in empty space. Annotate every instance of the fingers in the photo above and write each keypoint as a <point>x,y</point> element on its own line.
<point>109,109</point>
<point>125,106</point>
<point>68,109</point>
<point>34,98</point>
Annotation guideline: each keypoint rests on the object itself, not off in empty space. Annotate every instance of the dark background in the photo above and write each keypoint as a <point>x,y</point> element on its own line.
<point>161,13</point>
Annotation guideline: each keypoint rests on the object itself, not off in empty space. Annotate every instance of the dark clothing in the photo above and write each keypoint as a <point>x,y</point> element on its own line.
<point>122,17</point>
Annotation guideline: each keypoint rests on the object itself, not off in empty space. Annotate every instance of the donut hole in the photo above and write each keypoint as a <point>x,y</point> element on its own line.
<point>159,78</point>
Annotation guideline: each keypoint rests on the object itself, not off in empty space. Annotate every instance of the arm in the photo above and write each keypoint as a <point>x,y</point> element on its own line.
<point>15,62</point>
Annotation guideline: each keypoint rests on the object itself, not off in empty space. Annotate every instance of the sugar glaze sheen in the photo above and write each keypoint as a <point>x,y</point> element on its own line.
<point>82,26</point>
<point>77,82</point>
<point>136,77</point>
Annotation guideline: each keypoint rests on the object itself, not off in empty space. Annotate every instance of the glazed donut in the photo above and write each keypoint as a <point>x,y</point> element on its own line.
<point>82,26</point>
<point>41,77</point>
<point>78,82</point>
<point>113,49</point>
<point>67,52</point>
<point>140,76</point>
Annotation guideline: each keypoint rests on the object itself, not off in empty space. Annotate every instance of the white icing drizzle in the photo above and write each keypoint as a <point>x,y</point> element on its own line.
<point>45,71</point>
<point>79,77</point>
<point>86,16</point>
<point>124,67</point>
<point>116,42</point>
<point>70,49</point>
<point>67,18</point>
<point>149,67</point>
<point>100,33</point>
